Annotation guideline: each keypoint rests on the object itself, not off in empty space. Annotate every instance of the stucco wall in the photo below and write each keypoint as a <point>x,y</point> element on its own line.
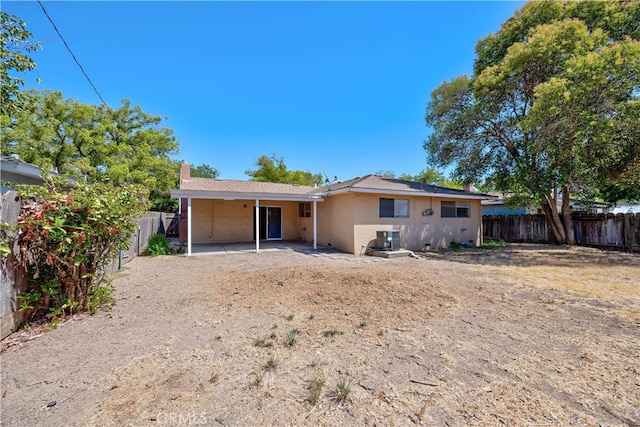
<point>225,221</point>
<point>335,222</point>
<point>350,221</point>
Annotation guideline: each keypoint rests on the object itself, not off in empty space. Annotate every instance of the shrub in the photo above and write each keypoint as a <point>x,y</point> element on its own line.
<point>159,245</point>
<point>66,239</point>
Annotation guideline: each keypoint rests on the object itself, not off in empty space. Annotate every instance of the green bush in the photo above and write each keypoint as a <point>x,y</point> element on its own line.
<point>66,239</point>
<point>158,245</point>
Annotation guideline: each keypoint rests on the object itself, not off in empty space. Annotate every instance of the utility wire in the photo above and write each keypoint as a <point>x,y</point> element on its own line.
<point>71,52</point>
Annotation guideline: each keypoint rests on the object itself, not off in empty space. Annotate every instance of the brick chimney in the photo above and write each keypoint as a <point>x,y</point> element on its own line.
<point>468,187</point>
<point>185,172</point>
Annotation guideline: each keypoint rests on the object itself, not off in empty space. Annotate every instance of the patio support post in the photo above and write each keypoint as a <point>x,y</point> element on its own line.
<point>188,226</point>
<point>257,226</point>
<point>315,225</point>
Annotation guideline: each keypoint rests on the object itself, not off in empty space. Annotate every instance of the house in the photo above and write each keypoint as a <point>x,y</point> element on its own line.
<point>14,171</point>
<point>344,215</point>
<point>499,207</point>
<point>626,208</point>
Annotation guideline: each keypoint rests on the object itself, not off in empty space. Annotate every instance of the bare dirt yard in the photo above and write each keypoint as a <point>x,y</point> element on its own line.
<point>528,335</point>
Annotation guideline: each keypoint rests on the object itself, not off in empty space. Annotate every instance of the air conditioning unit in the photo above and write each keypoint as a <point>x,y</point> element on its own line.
<point>388,240</point>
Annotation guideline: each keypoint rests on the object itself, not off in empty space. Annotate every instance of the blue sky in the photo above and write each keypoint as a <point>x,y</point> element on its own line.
<point>334,87</point>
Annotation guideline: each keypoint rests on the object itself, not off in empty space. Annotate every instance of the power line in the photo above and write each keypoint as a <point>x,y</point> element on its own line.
<point>71,52</point>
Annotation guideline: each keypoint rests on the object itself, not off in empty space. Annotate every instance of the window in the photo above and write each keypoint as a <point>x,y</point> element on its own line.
<point>455,210</point>
<point>304,210</point>
<point>394,208</point>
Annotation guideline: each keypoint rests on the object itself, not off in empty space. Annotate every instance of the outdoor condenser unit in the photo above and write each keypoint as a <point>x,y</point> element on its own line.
<point>388,240</point>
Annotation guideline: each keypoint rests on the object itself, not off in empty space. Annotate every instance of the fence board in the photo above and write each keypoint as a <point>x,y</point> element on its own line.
<point>620,231</point>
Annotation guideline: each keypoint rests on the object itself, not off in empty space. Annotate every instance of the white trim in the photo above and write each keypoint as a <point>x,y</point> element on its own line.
<point>188,226</point>
<point>203,194</point>
<point>257,226</point>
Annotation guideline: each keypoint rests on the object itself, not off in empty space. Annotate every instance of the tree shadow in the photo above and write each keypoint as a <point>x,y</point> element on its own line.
<point>529,255</point>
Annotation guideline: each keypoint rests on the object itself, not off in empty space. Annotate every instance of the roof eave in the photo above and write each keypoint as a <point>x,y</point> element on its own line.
<point>228,195</point>
<point>409,193</point>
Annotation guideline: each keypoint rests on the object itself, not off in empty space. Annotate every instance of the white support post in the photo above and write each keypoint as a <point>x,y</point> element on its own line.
<point>257,226</point>
<point>315,225</point>
<point>188,226</point>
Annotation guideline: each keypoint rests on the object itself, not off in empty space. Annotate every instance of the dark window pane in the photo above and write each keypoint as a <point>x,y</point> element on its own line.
<point>386,208</point>
<point>448,209</point>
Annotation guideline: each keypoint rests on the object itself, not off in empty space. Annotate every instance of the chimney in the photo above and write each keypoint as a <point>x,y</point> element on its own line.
<point>185,172</point>
<point>468,187</point>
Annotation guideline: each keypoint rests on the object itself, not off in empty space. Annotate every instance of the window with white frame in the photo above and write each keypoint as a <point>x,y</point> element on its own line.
<point>394,208</point>
<point>455,210</point>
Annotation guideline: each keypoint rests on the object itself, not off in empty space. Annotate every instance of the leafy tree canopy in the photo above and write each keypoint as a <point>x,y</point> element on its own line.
<point>552,108</point>
<point>204,171</point>
<point>431,176</point>
<point>15,46</point>
<point>94,143</point>
<point>273,169</point>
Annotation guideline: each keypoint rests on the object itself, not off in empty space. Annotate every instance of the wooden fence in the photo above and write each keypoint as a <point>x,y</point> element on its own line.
<point>14,283</point>
<point>620,231</point>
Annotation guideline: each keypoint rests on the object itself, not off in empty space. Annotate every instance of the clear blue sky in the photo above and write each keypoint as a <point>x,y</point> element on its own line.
<point>335,87</point>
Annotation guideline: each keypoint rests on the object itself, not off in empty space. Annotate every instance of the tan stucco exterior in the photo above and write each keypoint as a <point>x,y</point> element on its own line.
<point>350,221</point>
<point>347,222</point>
<point>226,221</point>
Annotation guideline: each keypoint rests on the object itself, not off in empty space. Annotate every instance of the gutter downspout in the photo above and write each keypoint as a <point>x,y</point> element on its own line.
<point>315,224</point>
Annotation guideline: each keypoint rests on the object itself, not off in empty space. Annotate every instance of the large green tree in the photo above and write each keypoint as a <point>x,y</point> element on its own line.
<point>15,46</point>
<point>551,109</point>
<point>273,169</point>
<point>204,171</point>
<point>432,176</point>
<point>94,143</point>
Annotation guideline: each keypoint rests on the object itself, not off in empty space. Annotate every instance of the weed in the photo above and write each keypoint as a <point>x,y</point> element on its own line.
<point>257,380</point>
<point>362,324</point>
<point>331,333</point>
<point>291,338</point>
<point>272,335</point>
<point>262,342</point>
<point>342,390</point>
<point>289,317</point>
<point>159,245</point>
<point>381,332</point>
<point>493,244</point>
<point>315,387</point>
<point>101,298</point>
<point>271,364</point>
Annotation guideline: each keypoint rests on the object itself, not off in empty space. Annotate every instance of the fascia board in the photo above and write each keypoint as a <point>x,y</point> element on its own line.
<point>201,194</point>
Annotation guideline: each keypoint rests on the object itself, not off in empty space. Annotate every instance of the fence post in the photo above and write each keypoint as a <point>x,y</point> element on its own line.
<point>13,281</point>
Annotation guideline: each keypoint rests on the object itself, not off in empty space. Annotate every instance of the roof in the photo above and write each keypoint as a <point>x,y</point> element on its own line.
<point>385,185</point>
<point>236,189</point>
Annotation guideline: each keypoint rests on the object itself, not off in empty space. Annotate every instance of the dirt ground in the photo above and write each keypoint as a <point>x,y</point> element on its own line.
<point>528,335</point>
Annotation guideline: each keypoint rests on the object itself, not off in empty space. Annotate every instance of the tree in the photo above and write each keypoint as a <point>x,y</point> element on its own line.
<point>94,143</point>
<point>15,45</point>
<point>386,174</point>
<point>204,171</point>
<point>431,176</point>
<point>552,107</point>
<point>272,169</point>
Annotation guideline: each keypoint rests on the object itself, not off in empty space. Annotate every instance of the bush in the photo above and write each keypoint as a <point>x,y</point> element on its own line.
<point>158,245</point>
<point>65,239</point>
